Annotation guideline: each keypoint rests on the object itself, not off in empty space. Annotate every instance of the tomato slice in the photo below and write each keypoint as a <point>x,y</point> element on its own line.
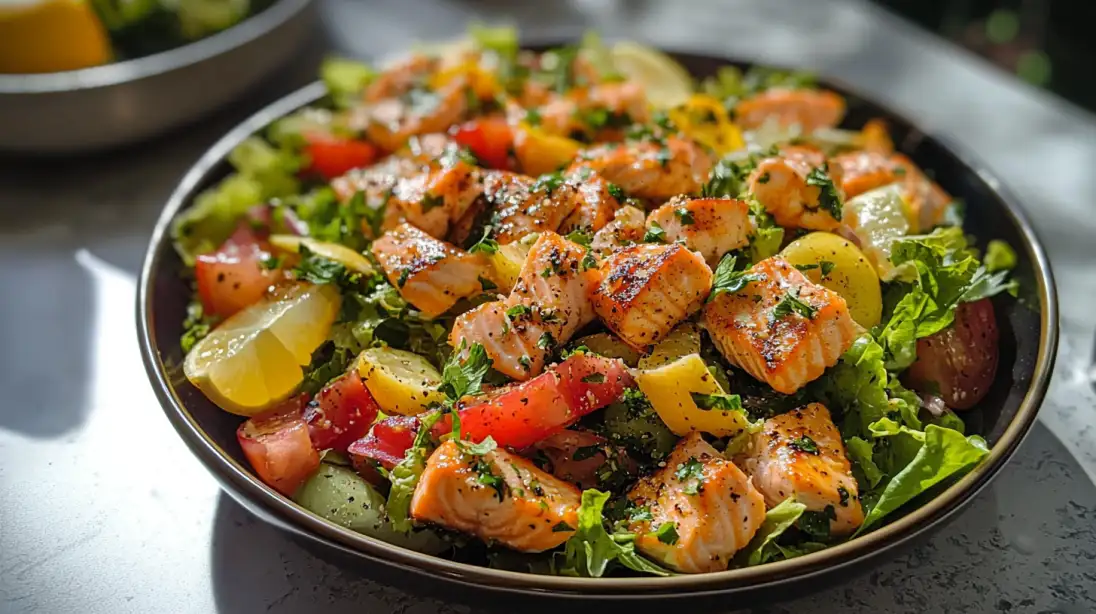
<point>959,362</point>
<point>341,413</point>
<point>330,156</point>
<point>278,446</point>
<point>386,443</point>
<point>520,415</point>
<point>575,456</point>
<point>234,277</point>
<point>490,139</point>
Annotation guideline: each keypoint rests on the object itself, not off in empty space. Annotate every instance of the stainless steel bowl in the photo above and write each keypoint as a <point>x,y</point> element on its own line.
<point>117,104</point>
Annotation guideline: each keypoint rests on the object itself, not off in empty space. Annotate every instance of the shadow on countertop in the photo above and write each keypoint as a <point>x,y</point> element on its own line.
<point>1021,546</point>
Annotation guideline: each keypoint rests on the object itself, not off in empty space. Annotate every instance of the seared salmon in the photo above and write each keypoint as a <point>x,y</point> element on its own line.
<point>809,109</point>
<point>648,289</point>
<point>782,329</point>
<point>400,77</point>
<point>596,111</point>
<point>548,304</point>
<point>595,202</point>
<point>390,121</point>
<point>800,455</point>
<point>434,199</point>
<point>430,274</point>
<point>710,226</point>
<point>714,509</point>
<point>625,229</point>
<point>862,171</point>
<point>648,169</point>
<point>801,190</point>
<point>498,497</point>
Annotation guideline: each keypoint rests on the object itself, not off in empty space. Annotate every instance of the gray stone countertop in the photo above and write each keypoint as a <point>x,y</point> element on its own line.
<point>103,510</point>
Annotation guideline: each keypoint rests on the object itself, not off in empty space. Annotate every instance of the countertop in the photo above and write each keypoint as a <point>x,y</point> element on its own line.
<point>103,510</point>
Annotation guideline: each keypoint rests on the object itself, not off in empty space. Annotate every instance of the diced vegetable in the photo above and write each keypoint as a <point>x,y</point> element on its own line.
<point>234,276</point>
<point>277,445</point>
<point>254,359</point>
<point>342,254</point>
<point>837,264</point>
<point>402,382</point>
<point>538,153</point>
<point>341,496</point>
<point>682,341</point>
<point>704,119</point>
<point>341,413</point>
<point>687,398</point>
<point>522,414</point>
<point>490,139</point>
<point>610,346</point>
<point>386,443</point>
<point>330,156</point>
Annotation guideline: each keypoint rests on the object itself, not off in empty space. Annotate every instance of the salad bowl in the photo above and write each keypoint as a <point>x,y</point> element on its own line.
<point>1028,336</point>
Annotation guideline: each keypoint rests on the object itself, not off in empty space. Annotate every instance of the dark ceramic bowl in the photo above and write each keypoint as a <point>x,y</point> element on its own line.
<point>1029,336</point>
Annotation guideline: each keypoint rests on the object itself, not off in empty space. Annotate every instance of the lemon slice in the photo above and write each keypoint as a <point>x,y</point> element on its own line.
<point>848,272</point>
<point>401,382</point>
<point>254,359</point>
<point>507,263</point>
<point>667,83</point>
<point>332,251</point>
<point>881,215</point>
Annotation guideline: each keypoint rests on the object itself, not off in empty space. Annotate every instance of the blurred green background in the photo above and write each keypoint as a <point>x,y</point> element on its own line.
<point>1049,43</point>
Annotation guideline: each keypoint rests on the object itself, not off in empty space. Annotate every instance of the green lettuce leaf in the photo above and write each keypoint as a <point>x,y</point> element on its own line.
<point>404,477</point>
<point>944,453</point>
<point>591,550</point>
<point>345,79</point>
<point>762,548</point>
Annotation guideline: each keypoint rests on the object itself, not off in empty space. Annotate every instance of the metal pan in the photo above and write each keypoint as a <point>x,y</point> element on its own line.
<point>1029,337</point>
<point>117,104</point>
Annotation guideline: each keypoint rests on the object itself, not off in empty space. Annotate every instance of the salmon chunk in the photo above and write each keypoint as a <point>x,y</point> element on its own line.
<point>595,202</point>
<point>548,304</point>
<point>648,289</point>
<point>809,109</point>
<point>714,509</point>
<point>595,111</point>
<point>498,497</point>
<point>781,328</point>
<point>390,121</point>
<point>524,205</point>
<point>649,169</point>
<point>800,454</point>
<point>801,190</point>
<point>436,198</point>
<point>862,171</point>
<point>710,226</point>
<point>626,228</point>
<point>430,274</point>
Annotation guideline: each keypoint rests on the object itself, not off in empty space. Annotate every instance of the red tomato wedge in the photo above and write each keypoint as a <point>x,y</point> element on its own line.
<point>522,414</point>
<point>331,156</point>
<point>233,277</point>
<point>490,139</point>
<point>341,413</point>
<point>278,446</point>
<point>959,362</point>
<point>386,443</point>
<point>575,456</point>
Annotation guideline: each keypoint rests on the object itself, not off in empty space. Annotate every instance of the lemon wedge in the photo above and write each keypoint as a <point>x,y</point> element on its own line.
<point>667,83</point>
<point>332,251</point>
<point>42,36</point>
<point>255,358</point>
<point>881,218</point>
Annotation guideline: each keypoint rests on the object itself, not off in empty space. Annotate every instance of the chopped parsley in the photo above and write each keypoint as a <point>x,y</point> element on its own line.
<point>685,216</point>
<point>690,470</point>
<point>585,452</point>
<point>804,444</point>
<point>594,378</point>
<point>817,524</point>
<point>546,341</point>
<point>722,402</point>
<point>589,261</point>
<point>431,201</point>
<point>792,304</point>
<point>473,449</point>
<point>655,234</point>
<point>664,156</point>
<point>532,117</point>
<point>525,362</point>
<point>405,274</point>
<point>518,311</point>
<point>640,514</point>
<point>616,191</point>
<point>828,198</point>
<point>486,477</point>
<point>764,177</point>
<point>460,378</point>
<point>487,284</point>
<point>582,236</point>
<point>271,262</point>
<point>320,270</point>
<point>485,245</point>
<point>562,527</point>
<point>548,183</point>
<point>729,281</point>
<point>827,267</point>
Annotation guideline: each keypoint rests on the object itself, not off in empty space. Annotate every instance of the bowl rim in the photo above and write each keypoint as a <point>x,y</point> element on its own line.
<point>117,73</point>
<point>293,517</point>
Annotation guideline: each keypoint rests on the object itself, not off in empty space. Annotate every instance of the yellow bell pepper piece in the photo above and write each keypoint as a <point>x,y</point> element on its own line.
<point>670,390</point>
<point>482,82</point>
<point>705,120</point>
<point>539,152</point>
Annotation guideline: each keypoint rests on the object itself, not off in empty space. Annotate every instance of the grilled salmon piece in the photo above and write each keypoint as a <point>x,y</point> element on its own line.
<point>389,121</point>
<point>599,111</point>
<point>626,228</point>
<point>714,508</point>
<point>651,170</point>
<point>436,198</point>
<point>810,109</point>
<point>400,77</point>
<point>800,454</point>
<point>710,226</point>
<point>376,185</point>
<point>430,274</point>
<point>524,205</point>
<point>782,329</point>
<point>648,289</point>
<point>595,202</point>
<point>498,497</point>
<point>548,304</point>
<point>862,171</point>
<point>791,187</point>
